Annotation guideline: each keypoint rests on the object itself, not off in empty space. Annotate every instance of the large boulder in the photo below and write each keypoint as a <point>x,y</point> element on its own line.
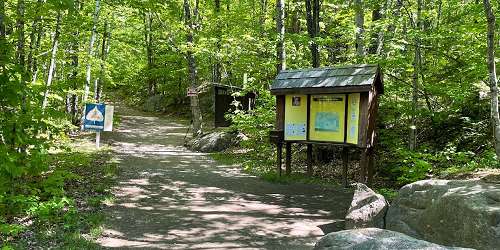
<point>367,209</point>
<point>215,141</point>
<point>462,213</point>
<point>374,239</point>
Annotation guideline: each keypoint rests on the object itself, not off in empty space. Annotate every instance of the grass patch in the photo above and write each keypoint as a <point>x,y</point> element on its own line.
<point>63,208</point>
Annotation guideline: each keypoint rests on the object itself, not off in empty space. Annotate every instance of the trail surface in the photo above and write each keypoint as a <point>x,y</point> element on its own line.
<point>168,197</point>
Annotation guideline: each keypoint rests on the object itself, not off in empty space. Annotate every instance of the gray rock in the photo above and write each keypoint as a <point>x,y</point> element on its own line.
<point>374,239</point>
<point>458,213</point>
<point>215,142</point>
<point>367,209</point>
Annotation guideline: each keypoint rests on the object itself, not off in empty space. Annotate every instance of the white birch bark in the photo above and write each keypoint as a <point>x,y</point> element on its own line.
<point>53,58</point>
<point>490,16</point>
<point>91,51</point>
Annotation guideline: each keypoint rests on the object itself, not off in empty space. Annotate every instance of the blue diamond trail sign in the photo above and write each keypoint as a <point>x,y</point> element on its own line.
<point>98,117</point>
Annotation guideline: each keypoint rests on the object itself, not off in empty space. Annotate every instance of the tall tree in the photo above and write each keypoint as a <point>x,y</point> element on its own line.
<point>91,49</point>
<point>280,26</point>
<point>415,79</point>
<point>36,29</point>
<point>20,53</point>
<point>190,20</point>
<point>360,29</point>
<point>217,67</point>
<point>105,45</point>
<point>312,16</point>
<point>3,40</point>
<point>53,58</point>
<point>72,103</point>
<point>148,39</point>
<point>490,17</point>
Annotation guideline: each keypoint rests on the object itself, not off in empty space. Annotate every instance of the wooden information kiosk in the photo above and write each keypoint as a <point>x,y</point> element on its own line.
<point>335,105</point>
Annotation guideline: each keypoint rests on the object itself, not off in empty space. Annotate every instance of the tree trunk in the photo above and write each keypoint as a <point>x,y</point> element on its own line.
<point>91,50</point>
<point>217,77</point>
<point>148,36</point>
<point>280,26</point>
<point>39,38</point>
<point>263,15</point>
<point>73,102</point>
<point>416,72</point>
<point>490,16</point>
<point>20,53</point>
<point>193,71</point>
<point>3,41</point>
<point>33,37</point>
<point>53,59</point>
<point>360,29</point>
<point>104,54</point>
<point>312,14</point>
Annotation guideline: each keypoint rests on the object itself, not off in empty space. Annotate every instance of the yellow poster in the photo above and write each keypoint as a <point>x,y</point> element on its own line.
<point>295,117</point>
<point>327,118</point>
<point>353,118</point>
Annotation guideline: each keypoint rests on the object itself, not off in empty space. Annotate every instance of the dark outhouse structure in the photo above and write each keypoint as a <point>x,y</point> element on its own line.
<point>223,100</point>
<point>336,105</point>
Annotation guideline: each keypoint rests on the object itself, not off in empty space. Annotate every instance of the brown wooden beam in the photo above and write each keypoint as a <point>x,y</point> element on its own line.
<point>279,157</point>
<point>363,163</point>
<point>288,158</point>
<point>371,166</point>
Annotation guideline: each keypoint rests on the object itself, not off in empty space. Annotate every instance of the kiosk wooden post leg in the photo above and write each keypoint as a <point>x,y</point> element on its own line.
<point>345,164</point>
<point>309,160</point>
<point>279,147</point>
<point>371,166</point>
<point>288,158</point>
<point>363,162</point>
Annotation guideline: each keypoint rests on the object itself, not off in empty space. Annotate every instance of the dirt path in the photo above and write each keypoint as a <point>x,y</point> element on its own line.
<point>171,198</point>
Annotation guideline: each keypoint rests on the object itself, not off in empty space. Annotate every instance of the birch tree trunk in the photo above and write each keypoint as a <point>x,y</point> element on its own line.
<point>280,26</point>
<point>193,71</point>
<point>490,16</point>
<point>104,54</point>
<point>416,71</point>
<point>91,50</point>
<point>360,29</point>
<point>73,102</point>
<point>53,58</point>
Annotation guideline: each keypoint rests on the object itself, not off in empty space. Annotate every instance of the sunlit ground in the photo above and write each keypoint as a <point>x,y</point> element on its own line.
<point>171,198</point>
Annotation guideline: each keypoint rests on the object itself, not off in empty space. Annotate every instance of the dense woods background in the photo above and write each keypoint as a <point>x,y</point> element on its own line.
<point>437,116</point>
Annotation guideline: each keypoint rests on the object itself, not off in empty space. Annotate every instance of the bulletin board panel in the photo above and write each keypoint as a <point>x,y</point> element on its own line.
<point>353,118</point>
<point>327,118</point>
<point>296,118</point>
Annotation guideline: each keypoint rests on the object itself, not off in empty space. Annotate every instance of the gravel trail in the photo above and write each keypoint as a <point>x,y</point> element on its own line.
<point>168,197</point>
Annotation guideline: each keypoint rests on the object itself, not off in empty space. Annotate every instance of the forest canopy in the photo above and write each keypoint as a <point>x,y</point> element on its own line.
<point>437,115</point>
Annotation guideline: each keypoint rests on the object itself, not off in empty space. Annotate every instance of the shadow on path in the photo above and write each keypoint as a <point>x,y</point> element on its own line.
<point>168,197</point>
